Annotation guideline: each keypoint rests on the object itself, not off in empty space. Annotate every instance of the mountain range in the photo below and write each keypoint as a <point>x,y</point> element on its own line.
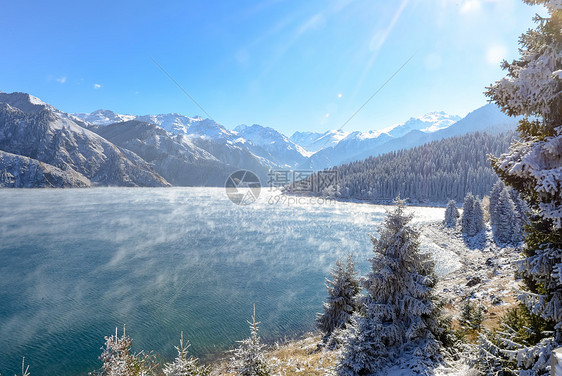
<point>41,146</point>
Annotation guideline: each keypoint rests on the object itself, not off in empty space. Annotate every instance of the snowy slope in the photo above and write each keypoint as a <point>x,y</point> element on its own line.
<point>17,171</point>
<point>103,117</point>
<point>315,141</point>
<point>268,143</point>
<point>173,123</point>
<point>176,157</point>
<point>31,128</point>
<point>427,123</point>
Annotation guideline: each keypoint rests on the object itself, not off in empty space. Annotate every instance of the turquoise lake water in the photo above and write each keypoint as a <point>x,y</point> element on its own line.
<point>76,263</point>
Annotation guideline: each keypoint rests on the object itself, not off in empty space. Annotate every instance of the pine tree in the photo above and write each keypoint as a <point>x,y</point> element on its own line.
<point>399,311</point>
<point>249,358</point>
<point>184,365</point>
<point>533,166</point>
<point>451,214</point>
<point>119,360</point>
<point>342,298</point>
<point>505,218</point>
<point>477,223</point>
<point>494,197</point>
<point>467,214</point>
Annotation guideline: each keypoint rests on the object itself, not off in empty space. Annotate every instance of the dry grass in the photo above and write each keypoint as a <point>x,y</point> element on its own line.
<point>294,358</point>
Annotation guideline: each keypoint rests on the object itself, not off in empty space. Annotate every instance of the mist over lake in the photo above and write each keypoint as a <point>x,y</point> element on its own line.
<point>76,263</point>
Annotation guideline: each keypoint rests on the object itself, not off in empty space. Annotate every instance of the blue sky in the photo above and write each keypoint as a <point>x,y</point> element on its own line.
<point>291,65</point>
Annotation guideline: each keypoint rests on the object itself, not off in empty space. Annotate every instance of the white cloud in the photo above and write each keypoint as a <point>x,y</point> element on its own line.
<point>495,54</point>
<point>470,6</point>
<point>61,80</point>
<point>97,86</point>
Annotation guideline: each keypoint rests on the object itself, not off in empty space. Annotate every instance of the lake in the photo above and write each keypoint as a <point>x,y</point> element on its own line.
<point>76,263</point>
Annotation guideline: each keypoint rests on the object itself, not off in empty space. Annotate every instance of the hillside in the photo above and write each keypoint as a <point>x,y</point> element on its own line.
<point>435,172</point>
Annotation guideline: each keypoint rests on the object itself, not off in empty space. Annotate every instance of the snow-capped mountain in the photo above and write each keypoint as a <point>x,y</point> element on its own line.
<point>431,122</point>
<point>427,123</point>
<point>103,117</point>
<point>173,123</point>
<point>268,143</point>
<point>44,146</point>
<point>315,141</point>
<point>273,148</point>
<point>176,157</point>
<point>414,132</point>
<point>30,128</point>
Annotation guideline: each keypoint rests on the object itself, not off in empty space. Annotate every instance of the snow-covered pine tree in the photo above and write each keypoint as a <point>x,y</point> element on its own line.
<point>342,298</point>
<point>398,313</point>
<point>533,166</point>
<point>505,218</point>
<point>119,360</point>
<point>467,214</point>
<point>249,356</point>
<point>477,224</point>
<point>184,365</point>
<point>451,214</point>
<point>494,197</point>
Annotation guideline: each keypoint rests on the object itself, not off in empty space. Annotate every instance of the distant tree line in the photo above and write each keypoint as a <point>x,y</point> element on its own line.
<point>434,172</point>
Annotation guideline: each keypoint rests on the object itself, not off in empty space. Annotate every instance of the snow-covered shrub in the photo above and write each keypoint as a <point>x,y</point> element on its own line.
<point>342,299</point>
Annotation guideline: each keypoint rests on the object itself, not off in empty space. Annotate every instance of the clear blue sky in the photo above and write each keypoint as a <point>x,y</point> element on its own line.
<point>291,65</point>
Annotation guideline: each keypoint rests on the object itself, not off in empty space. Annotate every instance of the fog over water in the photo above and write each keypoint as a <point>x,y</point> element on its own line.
<point>76,263</point>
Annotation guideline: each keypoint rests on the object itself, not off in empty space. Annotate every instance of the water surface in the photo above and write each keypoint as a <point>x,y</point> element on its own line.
<point>76,263</point>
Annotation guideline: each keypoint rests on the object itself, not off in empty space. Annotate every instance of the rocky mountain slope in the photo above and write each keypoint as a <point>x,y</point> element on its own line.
<point>30,128</point>
<point>174,157</point>
<point>18,171</point>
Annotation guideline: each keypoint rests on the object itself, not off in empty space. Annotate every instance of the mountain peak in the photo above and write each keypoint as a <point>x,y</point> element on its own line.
<point>25,102</point>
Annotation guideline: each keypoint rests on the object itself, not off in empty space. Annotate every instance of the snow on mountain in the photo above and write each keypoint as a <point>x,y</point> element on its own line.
<point>315,141</point>
<point>103,117</point>
<point>487,118</point>
<point>176,157</point>
<point>427,123</point>
<point>270,144</point>
<point>17,171</point>
<point>173,123</point>
<point>431,122</point>
<point>414,132</point>
<point>33,129</point>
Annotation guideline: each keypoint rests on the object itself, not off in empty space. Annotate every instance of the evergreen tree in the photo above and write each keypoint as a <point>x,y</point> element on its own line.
<point>342,298</point>
<point>399,312</point>
<point>505,217</point>
<point>467,214</point>
<point>184,365</point>
<point>494,197</point>
<point>451,214</point>
<point>477,223</point>
<point>249,358</point>
<point>533,166</point>
<point>119,360</point>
